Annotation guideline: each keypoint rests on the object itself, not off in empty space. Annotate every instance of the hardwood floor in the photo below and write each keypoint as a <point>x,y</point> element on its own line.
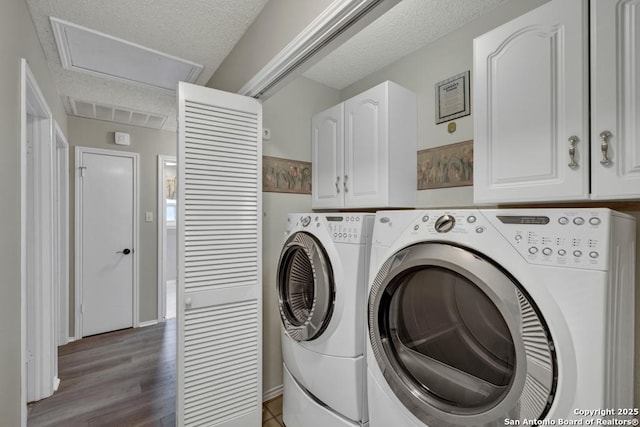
<point>123,378</point>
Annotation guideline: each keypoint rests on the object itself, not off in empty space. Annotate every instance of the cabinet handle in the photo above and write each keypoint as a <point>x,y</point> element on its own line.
<point>604,146</point>
<point>573,140</point>
<point>337,182</point>
<point>346,189</point>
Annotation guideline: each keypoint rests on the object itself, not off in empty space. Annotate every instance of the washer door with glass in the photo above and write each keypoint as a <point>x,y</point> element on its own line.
<point>305,287</point>
<point>458,341</point>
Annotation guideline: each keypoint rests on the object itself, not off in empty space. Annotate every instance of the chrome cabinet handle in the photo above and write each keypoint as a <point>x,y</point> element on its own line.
<point>573,140</point>
<point>604,146</point>
<point>346,189</point>
<point>337,182</point>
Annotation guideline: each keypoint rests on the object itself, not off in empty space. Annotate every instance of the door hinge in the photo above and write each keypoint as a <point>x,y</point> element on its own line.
<point>82,171</point>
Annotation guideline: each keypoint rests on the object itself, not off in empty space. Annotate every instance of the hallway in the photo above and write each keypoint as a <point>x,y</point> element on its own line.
<point>122,378</point>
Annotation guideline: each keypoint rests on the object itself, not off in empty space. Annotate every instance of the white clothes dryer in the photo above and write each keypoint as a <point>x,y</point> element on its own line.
<point>494,317</point>
<point>322,280</point>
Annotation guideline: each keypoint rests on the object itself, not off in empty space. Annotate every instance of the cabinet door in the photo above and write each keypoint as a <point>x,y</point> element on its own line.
<point>366,168</point>
<point>615,99</point>
<point>531,99</point>
<point>327,145</point>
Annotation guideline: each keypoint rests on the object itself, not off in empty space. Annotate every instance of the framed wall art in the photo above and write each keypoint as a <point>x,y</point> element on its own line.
<point>285,176</point>
<point>453,98</point>
<point>446,166</point>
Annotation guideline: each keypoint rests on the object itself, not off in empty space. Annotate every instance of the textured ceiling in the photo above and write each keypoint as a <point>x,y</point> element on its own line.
<point>205,31</point>
<point>408,26</point>
<point>202,31</point>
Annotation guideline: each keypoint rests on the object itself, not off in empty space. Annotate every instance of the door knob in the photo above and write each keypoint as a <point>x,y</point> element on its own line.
<point>124,251</point>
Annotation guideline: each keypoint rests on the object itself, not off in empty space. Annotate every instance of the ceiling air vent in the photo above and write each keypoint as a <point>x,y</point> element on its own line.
<point>110,113</point>
<point>88,51</point>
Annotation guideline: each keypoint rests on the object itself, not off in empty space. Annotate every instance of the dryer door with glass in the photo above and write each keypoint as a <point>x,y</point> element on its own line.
<point>306,288</point>
<point>458,340</point>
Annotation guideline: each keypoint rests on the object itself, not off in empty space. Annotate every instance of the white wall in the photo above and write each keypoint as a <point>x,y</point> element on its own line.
<point>17,40</point>
<point>276,25</point>
<point>149,143</point>
<point>288,115</point>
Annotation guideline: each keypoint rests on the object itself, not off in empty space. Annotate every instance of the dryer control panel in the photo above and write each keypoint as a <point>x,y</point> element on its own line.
<point>576,238</point>
<point>571,238</point>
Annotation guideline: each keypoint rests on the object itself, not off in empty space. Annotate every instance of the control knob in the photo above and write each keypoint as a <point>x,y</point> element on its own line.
<point>445,223</point>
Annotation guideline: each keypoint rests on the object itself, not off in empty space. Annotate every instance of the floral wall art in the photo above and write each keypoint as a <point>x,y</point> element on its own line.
<point>285,176</point>
<point>446,166</point>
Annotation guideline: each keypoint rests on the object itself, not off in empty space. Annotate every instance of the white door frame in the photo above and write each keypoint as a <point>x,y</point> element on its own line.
<point>78,232</point>
<point>62,235</point>
<point>38,349</point>
<point>162,237</point>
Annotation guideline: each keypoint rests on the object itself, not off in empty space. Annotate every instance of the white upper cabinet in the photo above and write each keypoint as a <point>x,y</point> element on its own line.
<point>533,97</point>
<point>615,99</point>
<point>327,142</point>
<point>364,151</point>
<point>531,107</point>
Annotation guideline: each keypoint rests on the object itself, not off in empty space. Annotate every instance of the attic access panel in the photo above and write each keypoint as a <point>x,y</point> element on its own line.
<point>88,51</point>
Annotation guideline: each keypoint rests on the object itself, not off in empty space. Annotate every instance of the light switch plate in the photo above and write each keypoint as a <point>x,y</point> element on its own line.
<point>122,138</point>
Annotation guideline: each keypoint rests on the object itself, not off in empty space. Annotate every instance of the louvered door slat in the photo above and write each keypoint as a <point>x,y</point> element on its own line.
<point>195,148</point>
<point>196,107</point>
<point>219,266</point>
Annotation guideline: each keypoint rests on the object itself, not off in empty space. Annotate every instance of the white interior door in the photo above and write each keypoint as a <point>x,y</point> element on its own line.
<point>107,194</point>
<point>219,318</point>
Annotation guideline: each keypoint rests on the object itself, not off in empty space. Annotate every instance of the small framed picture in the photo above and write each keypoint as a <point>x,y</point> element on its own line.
<point>453,98</point>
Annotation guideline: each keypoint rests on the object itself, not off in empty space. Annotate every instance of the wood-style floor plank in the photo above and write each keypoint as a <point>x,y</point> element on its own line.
<point>123,378</point>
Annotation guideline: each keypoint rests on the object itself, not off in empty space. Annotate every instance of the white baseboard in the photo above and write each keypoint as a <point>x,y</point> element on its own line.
<point>71,339</point>
<point>147,323</point>
<point>56,383</point>
<point>270,394</point>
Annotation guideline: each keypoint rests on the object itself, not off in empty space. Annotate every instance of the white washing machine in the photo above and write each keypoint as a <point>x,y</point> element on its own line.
<point>491,317</point>
<point>322,280</point>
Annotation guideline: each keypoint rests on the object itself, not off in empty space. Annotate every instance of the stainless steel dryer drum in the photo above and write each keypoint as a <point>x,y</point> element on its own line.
<point>450,332</point>
<point>306,288</point>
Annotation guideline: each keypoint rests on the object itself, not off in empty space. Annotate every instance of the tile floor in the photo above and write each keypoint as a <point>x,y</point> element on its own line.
<point>272,413</point>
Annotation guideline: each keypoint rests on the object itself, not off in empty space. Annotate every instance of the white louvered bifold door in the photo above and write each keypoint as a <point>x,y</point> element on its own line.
<point>219,259</point>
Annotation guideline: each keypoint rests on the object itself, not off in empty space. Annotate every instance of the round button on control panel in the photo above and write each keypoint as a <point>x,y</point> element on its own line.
<point>594,221</point>
<point>563,220</point>
<point>533,250</point>
<point>562,252</point>
<point>547,251</point>
<point>578,220</point>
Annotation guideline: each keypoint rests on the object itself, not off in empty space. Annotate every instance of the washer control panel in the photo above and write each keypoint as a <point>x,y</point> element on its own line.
<point>341,227</point>
<point>570,238</point>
